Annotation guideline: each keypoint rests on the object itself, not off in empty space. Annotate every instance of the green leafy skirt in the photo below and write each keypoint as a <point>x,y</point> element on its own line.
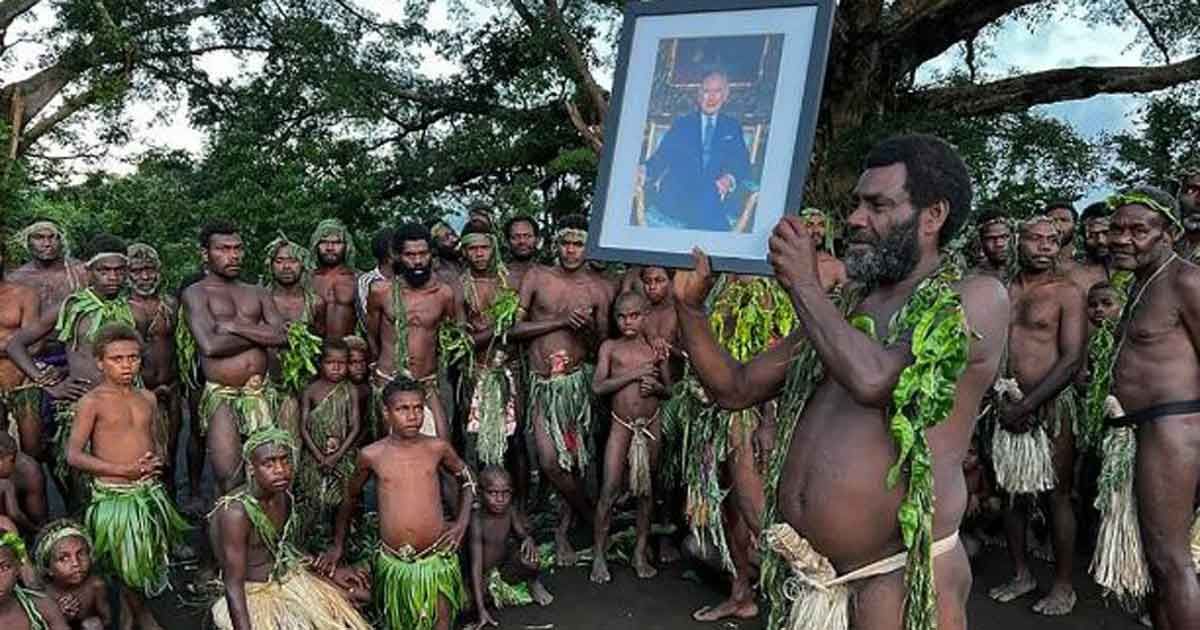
<point>507,594</point>
<point>564,403</point>
<point>254,404</point>
<point>407,588</point>
<point>133,528</point>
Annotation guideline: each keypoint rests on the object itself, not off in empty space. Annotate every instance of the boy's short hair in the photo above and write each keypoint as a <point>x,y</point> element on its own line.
<point>1103,285</point>
<point>356,343</point>
<point>8,446</point>
<point>400,385</point>
<point>629,296</point>
<point>113,333</point>
<point>334,344</point>
<point>642,272</point>
<point>492,472</point>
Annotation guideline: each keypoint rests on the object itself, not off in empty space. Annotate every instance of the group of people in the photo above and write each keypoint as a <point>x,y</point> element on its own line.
<point>381,442</point>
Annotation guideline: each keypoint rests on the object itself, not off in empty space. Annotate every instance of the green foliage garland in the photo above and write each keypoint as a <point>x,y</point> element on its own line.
<point>297,361</point>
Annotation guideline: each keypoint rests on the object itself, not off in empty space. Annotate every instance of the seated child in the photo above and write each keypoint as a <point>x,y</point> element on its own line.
<point>417,581</point>
<point>10,510</point>
<point>631,370</point>
<point>267,585</point>
<point>64,556</point>
<point>131,521</point>
<point>21,609</point>
<point>501,571</point>
<point>330,410</point>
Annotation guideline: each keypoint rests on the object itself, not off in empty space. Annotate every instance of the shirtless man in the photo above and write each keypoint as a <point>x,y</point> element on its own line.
<point>909,202</point>
<point>407,342</point>
<point>564,317</point>
<point>1064,216</point>
<point>1189,208</point>
<point>522,233</point>
<point>996,245</point>
<point>289,266</point>
<point>334,280</point>
<point>19,308</point>
<point>1046,348</point>
<point>447,263</point>
<point>53,275</point>
<point>1156,378</point>
<point>234,325</point>
<point>1093,267</point>
<point>155,314</point>
<point>833,272</point>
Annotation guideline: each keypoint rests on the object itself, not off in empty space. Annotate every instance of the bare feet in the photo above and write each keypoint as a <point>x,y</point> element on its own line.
<point>600,573</point>
<point>1019,586</point>
<point>668,552</point>
<point>726,609</point>
<point>1059,601</point>
<point>564,553</point>
<point>540,595</point>
<point>643,568</point>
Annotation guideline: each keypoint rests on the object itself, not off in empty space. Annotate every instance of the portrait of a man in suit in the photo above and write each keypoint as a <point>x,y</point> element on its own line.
<point>698,177</point>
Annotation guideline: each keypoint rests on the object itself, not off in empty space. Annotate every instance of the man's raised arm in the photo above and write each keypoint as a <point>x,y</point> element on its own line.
<point>733,385</point>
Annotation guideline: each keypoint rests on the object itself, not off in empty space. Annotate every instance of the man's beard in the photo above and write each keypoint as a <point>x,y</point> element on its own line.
<point>1096,255</point>
<point>414,276</point>
<point>891,259</point>
<point>522,258</point>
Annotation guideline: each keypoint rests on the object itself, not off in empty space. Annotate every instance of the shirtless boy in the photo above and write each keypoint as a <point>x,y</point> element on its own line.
<point>503,573</point>
<point>1156,378</point>
<point>130,518</point>
<point>329,424</point>
<point>563,317</point>
<point>64,555</point>
<point>234,325</point>
<point>267,587</point>
<point>21,609</point>
<point>334,280</point>
<point>910,201</point>
<point>403,317</point>
<point>417,581</point>
<point>637,378</point>
<point>359,373</point>
<point>1046,348</point>
<point>156,315</point>
<point>9,505</point>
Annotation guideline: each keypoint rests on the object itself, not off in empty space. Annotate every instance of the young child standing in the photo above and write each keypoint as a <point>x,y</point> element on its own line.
<point>21,609</point>
<point>359,373</point>
<point>632,371</point>
<point>10,509</point>
<point>330,413</point>
<point>131,521</point>
<point>417,581</point>
<point>502,572</point>
<point>64,556</point>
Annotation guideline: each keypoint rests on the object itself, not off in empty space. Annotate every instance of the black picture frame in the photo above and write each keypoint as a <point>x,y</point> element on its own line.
<point>802,149</point>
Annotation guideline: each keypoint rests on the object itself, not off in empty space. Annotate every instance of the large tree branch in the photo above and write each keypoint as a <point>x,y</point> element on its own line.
<point>10,10</point>
<point>39,89</point>
<point>1149,26</point>
<point>932,27</point>
<point>66,110</point>
<point>575,54</point>
<point>1052,86</point>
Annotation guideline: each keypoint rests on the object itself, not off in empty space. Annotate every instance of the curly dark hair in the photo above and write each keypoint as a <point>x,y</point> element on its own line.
<point>936,172</point>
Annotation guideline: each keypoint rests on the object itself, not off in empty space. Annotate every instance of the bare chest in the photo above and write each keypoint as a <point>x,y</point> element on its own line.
<point>235,303</point>
<point>335,287</point>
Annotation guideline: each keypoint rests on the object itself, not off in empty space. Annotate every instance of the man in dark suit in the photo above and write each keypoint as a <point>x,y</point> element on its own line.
<point>701,167</point>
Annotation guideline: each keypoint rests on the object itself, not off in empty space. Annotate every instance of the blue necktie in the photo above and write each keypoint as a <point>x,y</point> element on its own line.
<point>706,140</point>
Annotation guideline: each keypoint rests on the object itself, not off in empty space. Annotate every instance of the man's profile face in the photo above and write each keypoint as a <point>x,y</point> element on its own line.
<point>223,256</point>
<point>882,229</point>
<point>522,242</point>
<point>1038,246</point>
<point>714,91</point>
<point>655,284</point>
<point>994,240</point>
<point>145,278</point>
<point>286,266</point>
<point>1095,237</point>
<point>45,245</point>
<point>1189,202</point>
<point>108,275</point>
<point>570,252</point>
<point>331,250</point>
<point>121,361</point>
<point>479,255</point>
<point>1137,237</point>
<point>271,467</point>
<point>1064,220</point>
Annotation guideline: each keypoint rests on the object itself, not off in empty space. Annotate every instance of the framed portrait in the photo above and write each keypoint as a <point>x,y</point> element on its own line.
<point>710,129</point>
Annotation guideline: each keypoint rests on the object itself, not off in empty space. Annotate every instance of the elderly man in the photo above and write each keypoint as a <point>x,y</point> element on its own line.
<point>701,168</point>
<point>850,498</point>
